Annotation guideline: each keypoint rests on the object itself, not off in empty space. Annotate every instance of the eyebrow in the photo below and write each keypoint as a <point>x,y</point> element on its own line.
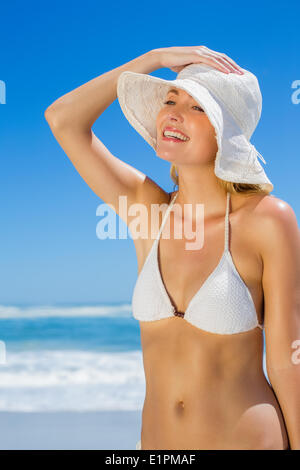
<point>176,92</point>
<point>173,91</point>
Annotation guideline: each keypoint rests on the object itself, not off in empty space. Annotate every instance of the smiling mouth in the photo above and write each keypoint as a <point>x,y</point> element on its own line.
<point>173,139</point>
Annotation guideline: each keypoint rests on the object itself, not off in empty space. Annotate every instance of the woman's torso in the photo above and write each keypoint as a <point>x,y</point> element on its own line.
<point>206,390</point>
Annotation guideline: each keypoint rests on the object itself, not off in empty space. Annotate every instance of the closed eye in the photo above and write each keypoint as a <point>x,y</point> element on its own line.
<point>170,101</point>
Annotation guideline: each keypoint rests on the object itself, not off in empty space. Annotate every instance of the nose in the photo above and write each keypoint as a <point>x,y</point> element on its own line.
<point>175,116</point>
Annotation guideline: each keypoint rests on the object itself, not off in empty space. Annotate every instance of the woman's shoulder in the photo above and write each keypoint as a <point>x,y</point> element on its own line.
<point>275,221</point>
<point>273,208</point>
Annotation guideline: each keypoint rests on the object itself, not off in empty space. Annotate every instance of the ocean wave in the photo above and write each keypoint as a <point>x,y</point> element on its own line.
<point>72,381</point>
<point>11,311</point>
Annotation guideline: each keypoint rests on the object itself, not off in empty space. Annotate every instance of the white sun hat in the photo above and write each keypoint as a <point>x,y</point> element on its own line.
<point>232,102</point>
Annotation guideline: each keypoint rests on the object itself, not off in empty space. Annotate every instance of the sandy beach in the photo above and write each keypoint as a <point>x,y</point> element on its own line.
<point>70,430</point>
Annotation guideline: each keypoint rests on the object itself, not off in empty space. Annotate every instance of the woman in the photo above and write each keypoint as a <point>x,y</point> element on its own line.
<point>205,386</point>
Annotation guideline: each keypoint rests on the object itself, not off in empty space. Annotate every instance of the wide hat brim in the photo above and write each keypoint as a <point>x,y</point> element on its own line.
<point>141,96</point>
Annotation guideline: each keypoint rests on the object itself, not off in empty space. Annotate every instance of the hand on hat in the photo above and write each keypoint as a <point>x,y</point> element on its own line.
<point>176,58</point>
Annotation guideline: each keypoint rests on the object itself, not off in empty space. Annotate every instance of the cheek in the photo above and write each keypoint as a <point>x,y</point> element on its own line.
<point>206,129</point>
<point>203,137</point>
<point>199,130</point>
<point>210,127</point>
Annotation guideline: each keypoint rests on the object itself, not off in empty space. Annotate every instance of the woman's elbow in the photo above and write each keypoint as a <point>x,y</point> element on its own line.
<point>54,115</point>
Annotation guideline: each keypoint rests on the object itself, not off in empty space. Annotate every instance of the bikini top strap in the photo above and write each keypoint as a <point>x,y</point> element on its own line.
<point>227,222</point>
<point>166,216</point>
<point>226,219</point>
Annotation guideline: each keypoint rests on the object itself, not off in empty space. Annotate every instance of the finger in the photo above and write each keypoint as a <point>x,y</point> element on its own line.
<point>227,64</point>
<point>225,58</point>
<point>234,64</point>
<point>212,60</point>
<point>221,59</point>
<point>206,50</point>
<point>222,66</point>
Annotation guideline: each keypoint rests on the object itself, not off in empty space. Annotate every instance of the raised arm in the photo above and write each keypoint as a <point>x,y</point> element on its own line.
<point>71,117</point>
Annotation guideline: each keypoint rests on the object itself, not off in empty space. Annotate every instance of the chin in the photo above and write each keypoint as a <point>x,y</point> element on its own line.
<point>164,155</point>
<point>167,158</point>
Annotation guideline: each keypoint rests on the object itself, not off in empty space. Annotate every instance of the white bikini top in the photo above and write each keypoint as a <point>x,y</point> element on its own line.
<point>222,305</point>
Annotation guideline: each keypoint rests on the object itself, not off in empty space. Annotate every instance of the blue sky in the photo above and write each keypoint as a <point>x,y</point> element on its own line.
<point>50,253</point>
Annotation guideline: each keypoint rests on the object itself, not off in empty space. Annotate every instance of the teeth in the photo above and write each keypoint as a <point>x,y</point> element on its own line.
<point>175,134</point>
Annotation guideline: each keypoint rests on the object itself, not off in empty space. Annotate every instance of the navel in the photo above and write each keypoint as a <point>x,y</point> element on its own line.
<point>180,405</point>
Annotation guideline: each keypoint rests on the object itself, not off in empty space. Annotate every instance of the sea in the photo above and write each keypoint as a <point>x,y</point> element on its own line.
<point>71,358</point>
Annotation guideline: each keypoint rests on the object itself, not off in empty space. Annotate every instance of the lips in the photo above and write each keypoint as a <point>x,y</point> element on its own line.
<point>174,129</point>
<point>174,139</point>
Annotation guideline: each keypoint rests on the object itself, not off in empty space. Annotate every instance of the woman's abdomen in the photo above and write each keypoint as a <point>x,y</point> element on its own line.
<point>212,420</point>
<point>206,391</point>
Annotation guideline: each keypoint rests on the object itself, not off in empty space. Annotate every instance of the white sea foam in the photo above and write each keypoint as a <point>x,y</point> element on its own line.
<point>72,311</point>
<point>71,380</point>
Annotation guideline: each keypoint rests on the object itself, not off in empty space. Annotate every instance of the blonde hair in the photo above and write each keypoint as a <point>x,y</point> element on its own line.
<point>245,188</point>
